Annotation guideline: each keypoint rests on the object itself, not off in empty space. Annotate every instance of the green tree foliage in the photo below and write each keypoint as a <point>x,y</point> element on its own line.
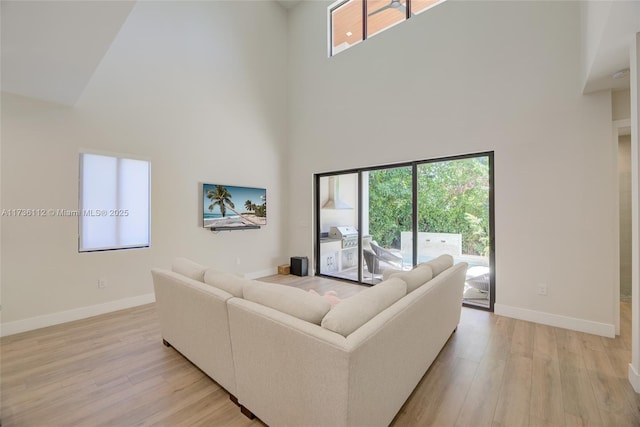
<point>452,198</point>
<point>389,205</point>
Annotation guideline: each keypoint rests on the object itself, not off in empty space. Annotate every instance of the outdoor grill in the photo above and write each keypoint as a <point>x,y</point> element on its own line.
<point>347,234</point>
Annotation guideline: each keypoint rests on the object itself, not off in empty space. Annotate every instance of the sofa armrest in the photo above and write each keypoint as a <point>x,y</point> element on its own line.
<point>395,348</point>
<point>326,379</point>
<point>288,372</point>
<point>194,320</point>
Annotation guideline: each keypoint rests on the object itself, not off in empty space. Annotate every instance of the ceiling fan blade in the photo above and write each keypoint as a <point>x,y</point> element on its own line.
<point>383,8</point>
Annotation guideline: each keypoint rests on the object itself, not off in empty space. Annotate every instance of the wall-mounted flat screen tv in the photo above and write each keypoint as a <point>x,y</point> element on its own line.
<point>227,207</point>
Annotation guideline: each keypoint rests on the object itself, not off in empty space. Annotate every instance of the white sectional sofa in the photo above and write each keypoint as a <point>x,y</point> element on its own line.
<point>293,360</point>
<point>194,320</point>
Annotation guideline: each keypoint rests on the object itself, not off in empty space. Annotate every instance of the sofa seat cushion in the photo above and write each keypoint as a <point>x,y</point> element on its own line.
<point>357,310</point>
<point>226,281</point>
<point>289,300</point>
<point>440,264</point>
<point>416,277</point>
<point>188,268</point>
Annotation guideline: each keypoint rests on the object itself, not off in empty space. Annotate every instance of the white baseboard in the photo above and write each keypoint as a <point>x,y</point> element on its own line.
<point>38,322</point>
<point>634,378</point>
<point>573,323</point>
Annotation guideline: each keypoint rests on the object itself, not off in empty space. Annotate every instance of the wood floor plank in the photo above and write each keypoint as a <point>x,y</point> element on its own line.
<point>472,347</point>
<point>544,343</point>
<point>578,421</point>
<point>455,393</point>
<point>547,407</point>
<point>609,395</point>
<point>423,402</point>
<point>577,393</point>
<point>590,341</point>
<point>504,326</point>
<point>513,406</point>
<point>568,343</point>
<point>426,407</point>
<point>633,400</point>
<point>620,359</point>
<point>522,339</point>
<point>113,370</point>
<point>479,405</point>
<point>613,343</point>
<point>498,347</point>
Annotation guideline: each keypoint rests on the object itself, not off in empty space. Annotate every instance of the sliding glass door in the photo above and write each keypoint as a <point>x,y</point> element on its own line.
<point>338,231</point>
<point>397,216</point>
<point>454,218</point>
<point>387,221</point>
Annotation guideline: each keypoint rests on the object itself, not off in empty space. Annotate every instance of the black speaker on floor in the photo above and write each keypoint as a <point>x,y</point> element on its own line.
<point>299,265</point>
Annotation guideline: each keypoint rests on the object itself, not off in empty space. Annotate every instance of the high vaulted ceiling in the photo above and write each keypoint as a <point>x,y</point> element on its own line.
<point>51,49</point>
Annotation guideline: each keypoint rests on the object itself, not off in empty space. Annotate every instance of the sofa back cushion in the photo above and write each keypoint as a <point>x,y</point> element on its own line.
<point>440,264</point>
<point>226,281</point>
<point>357,310</point>
<point>416,277</point>
<point>188,268</point>
<point>287,299</point>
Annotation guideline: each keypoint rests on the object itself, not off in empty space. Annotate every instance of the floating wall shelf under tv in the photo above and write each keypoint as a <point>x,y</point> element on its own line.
<point>227,207</point>
<point>245,227</point>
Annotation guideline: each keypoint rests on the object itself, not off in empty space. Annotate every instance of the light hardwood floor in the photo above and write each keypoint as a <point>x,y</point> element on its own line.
<point>113,370</point>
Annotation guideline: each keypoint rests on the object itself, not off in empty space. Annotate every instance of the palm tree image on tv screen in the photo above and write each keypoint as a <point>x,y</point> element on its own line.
<point>235,207</point>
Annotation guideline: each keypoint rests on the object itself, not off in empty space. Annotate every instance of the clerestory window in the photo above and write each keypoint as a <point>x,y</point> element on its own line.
<point>353,21</point>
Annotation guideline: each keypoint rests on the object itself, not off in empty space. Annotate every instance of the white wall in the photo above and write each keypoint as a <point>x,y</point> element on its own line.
<point>624,196</point>
<point>469,77</point>
<point>621,104</point>
<point>594,15</point>
<point>634,62</point>
<point>192,87</point>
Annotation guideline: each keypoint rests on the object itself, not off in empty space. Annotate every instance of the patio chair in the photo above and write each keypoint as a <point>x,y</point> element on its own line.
<point>478,278</point>
<point>372,263</point>
<point>393,258</point>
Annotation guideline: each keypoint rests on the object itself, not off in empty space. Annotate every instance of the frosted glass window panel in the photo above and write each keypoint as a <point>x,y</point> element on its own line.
<point>114,203</point>
<point>134,202</point>
<point>98,192</point>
